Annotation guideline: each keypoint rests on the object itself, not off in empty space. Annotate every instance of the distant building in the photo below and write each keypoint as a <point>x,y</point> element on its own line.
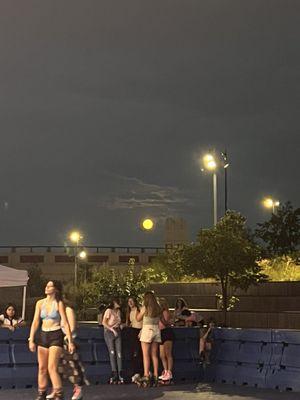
<point>176,232</point>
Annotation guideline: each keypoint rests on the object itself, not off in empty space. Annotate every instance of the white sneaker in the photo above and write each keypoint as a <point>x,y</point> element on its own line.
<point>162,376</point>
<point>50,396</point>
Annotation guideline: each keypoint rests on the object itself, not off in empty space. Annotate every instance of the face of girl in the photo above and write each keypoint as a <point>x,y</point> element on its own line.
<point>49,289</point>
<point>116,304</point>
<point>131,303</point>
<point>179,304</point>
<point>10,311</point>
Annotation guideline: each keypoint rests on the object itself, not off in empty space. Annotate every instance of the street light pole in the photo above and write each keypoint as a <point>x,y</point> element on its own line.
<point>210,164</point>
<point>76,265</point>
<point>226,165</point>
<point>215,198</point>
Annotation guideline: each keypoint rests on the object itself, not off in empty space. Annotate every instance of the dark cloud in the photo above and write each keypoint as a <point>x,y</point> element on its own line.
<point>105,107</point>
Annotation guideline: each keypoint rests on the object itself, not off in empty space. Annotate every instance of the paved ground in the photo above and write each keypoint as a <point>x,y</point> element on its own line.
<point>180,392</point>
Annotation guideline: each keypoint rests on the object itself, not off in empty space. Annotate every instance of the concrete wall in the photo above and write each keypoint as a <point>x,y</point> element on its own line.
<point>268,305</point>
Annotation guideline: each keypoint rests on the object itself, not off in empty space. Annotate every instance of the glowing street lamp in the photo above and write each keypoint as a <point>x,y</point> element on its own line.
<point>75,237</point>
<point>82,255</point>
<point>148,224</point>
<point>268,202</point>
<point>210,164</point>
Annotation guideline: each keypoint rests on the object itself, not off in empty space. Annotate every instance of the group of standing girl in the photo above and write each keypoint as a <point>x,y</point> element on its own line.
<point>150,331</point>
<point>53,337</point>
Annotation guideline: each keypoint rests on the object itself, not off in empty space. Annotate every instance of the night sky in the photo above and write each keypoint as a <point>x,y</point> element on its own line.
<point>106,106</point>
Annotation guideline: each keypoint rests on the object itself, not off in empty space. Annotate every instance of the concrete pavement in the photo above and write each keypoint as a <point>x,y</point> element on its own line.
<point>176,392</point>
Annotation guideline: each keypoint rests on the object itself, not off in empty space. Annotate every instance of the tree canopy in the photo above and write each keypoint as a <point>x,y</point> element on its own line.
<point>281,234</point>
<point>226,253</point>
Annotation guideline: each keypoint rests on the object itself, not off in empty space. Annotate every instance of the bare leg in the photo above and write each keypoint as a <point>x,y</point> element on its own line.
<point>146,358</point>
<point>163,357</point>
<point>168,345</point>
<point>154,357</point>
<point>53,360</point>
<point>43,368</point>
<point>202,345</point>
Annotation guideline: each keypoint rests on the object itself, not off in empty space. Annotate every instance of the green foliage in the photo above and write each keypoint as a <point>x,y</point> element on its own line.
<point>107,283</point>
<point>231,302</point>
<point>36,282</point>
<point>169,266</point>
<point>281,234</point>
<point>226,253</point>
<point>282,268</point>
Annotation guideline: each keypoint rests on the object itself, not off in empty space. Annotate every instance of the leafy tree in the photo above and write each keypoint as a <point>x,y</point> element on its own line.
<point>109,282</point>
<point>281,234</point>
<point>227,254</point>
<point>169,265</point>
<point>37,281</point>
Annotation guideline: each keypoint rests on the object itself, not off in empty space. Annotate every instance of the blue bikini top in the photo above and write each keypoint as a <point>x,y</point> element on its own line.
<point>53,314</point>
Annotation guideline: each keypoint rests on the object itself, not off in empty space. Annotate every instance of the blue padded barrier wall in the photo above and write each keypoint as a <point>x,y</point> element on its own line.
<point>284,371</point>
<point>260,358</point>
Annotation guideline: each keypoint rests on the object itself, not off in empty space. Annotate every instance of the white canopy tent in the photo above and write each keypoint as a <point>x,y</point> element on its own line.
<point>10,277</point>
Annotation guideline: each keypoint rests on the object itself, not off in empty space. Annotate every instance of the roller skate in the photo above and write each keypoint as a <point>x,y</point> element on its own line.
<point>120,380</point>
<point>155,381</point>
<point>135,378</point>
<point>41,395</point>
<point>144,382</point>
<point>58,395</point>
<point>77,393</point>
<point>167,378</point>
<point>114,379</point>
<point>162,375</point>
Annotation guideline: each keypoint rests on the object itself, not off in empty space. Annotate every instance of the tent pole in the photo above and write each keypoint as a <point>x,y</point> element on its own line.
<point>24,302</point>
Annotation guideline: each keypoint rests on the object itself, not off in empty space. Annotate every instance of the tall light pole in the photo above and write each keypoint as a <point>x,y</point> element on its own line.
<point>75,237</point>
<point>225,166</point>
<point>270,203</point>
<point>210,164</point>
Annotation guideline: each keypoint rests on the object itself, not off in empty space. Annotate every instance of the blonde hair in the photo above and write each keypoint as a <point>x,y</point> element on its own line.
<point>152,307</point>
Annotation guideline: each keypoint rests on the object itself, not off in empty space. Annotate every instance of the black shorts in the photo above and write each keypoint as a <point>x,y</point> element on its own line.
<point>167,335</point>
<point>51,338</point>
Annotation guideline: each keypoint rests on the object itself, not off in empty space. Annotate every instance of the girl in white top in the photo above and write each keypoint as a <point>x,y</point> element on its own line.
<point>9,318</point>
<point>150,336</point>
<point>134,328</point>
<point>132,310</point>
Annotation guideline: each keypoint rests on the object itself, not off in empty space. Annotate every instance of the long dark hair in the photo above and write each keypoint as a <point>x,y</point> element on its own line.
<point>182,301</point>
<point>58,290</point>
<point>5,310</point>
<point>128,309</point>
<point>112,301</point>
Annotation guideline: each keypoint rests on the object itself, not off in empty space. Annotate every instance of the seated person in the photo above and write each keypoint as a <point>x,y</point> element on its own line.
<point>180,311</point>
<point>9,318</point>
<point>206,340</point>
